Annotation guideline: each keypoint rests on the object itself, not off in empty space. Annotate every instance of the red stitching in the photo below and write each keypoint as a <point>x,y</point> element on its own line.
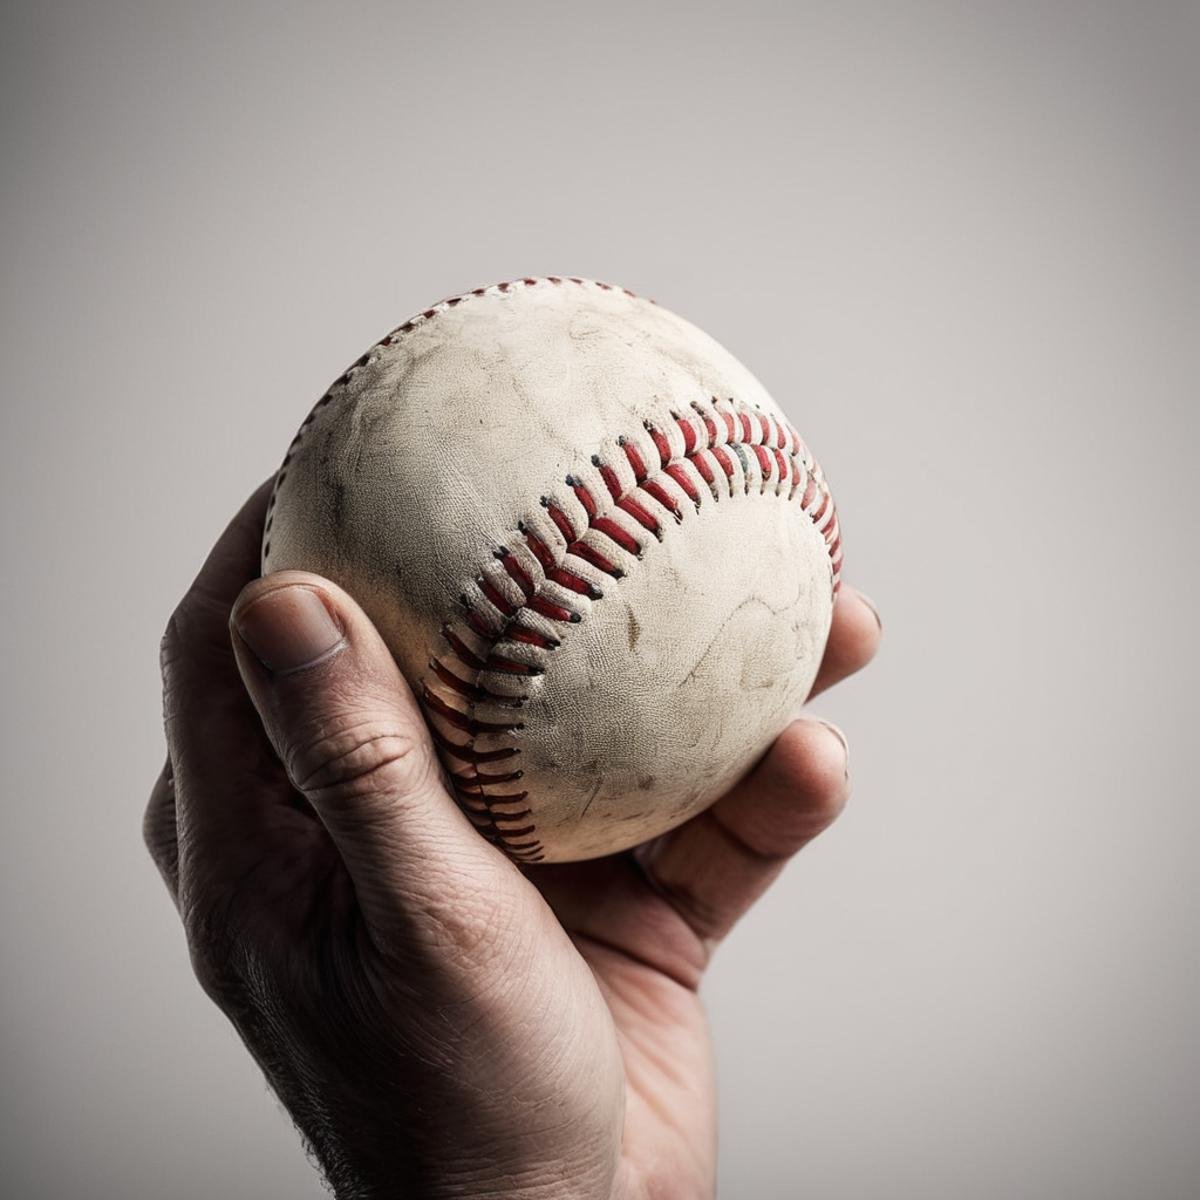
<point>611,530</point>
<point>717,434</point>
<point>560,519</point>
<point>639,513</point>
<point>555,612</point>
<point>516,572</point>
<point>744,439</point>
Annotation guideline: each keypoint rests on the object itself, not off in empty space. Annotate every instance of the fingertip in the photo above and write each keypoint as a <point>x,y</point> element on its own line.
<point>252,514</point>
<point>873,608</point>
<point>797,791</point>
<point>854,637</point>
<point>159,828</point>
<point>813,756</point>
<point>261,586</point>
<point>857,624</point>
<point>288,624</point>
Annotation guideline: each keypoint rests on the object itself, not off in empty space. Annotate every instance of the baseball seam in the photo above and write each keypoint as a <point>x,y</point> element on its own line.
<point>552,568</point>
<point>549,572</point>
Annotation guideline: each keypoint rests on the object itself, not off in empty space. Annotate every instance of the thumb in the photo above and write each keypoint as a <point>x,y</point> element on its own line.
<point>353,741</point>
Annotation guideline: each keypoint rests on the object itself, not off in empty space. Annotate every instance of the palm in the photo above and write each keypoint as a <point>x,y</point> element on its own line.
<point>660,1025</point>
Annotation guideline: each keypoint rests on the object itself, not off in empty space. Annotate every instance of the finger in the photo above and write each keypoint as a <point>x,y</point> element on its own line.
<point>230,795</point>
<point>713,867</point>
<point>159,830</point>
<point>853,639</point>
<point>353,741</point>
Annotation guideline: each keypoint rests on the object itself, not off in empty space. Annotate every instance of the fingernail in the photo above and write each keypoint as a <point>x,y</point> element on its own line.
<point>841,737</point>
<point>288,628</point>
<point>874,611</point>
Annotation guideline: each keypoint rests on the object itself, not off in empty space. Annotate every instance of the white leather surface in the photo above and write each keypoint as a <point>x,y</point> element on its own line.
<point>436,449</point>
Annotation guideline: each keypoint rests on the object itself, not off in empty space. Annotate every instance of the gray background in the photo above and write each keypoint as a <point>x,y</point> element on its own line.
<point>955,240</point>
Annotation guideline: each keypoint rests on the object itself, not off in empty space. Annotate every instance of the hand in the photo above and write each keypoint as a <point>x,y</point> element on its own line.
<point>438,1021</point>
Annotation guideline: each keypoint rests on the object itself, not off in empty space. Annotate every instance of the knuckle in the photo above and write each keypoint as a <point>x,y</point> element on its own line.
<point>361,755</point>
<point>213,947</point>
<point>171,643</point>
<point>158,836</point>
<point>198,626</point>
<point>160,832</point>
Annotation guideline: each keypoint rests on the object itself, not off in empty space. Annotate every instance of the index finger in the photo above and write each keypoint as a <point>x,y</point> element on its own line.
<point>219,754</point>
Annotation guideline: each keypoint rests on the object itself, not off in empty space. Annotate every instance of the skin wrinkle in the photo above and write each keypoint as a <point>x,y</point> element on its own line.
<point>691,906</point>
<point>688,981</point>
<point>345,772</point>
<point>650,1059</point>
<point>500,988</point>
<point>428,935</point>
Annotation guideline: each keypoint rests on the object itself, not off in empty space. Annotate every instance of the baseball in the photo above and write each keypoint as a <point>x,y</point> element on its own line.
<point>599,552</point>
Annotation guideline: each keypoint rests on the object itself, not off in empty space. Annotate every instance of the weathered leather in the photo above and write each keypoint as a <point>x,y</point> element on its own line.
<point>431,482</point>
